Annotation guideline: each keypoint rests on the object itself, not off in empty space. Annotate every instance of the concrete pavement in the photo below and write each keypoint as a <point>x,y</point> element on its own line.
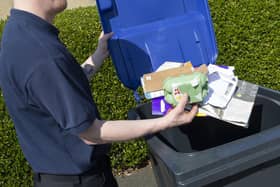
<point>142,178</point>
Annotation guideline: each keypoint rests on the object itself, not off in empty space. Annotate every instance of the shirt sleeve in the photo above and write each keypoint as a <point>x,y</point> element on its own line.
<point>63,92</point>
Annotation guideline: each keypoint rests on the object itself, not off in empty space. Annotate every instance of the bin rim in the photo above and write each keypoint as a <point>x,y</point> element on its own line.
<point>243,153</point>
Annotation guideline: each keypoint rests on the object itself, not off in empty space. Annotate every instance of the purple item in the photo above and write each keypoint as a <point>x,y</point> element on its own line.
<point>223,66</point>
<point>160,106</point>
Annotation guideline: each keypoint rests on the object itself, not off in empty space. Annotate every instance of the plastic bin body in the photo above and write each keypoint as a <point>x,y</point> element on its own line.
<point>209,152</point>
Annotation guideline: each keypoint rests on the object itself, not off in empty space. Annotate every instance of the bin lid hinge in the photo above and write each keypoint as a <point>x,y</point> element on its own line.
<point>137,97</point>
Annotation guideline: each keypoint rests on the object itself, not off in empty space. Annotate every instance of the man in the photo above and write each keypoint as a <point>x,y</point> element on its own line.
<point>49,99</point>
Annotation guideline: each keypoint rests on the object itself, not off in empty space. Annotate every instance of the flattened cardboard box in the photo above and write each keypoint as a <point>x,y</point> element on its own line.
<point>152,83</point>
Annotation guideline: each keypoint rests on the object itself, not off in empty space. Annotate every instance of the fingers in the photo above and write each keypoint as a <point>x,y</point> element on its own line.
<point>193,111</point>
<point>101,35</point>
<point>187,117</point>
<point>106,36</point>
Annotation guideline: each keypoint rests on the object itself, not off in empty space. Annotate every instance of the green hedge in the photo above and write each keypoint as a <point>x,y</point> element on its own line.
<point>247,33</point>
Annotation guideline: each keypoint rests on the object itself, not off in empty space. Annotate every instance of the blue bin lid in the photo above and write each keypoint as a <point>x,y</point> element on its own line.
<point>149,32</point>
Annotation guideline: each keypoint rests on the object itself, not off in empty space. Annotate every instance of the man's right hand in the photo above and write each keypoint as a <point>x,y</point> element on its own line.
<point>178,115</point>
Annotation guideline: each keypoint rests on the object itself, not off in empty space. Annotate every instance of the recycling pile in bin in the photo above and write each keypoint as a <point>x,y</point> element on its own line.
<point>213,88</point>
<point>235,138</point>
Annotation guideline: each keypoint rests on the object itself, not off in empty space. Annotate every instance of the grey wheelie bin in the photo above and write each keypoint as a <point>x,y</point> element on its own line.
<point>207,152</point>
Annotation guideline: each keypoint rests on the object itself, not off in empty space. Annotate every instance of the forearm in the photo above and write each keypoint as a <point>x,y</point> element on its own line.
<point>115,131</point>
<point>101,132</point>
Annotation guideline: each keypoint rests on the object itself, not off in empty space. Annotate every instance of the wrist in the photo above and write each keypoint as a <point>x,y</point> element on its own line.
<point>97,59</point>
<point>89,67</point>
<point>162,123</point>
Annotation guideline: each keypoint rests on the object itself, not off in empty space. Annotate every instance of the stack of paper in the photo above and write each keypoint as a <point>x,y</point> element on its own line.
<point>221,85</point>
<point>228,98</point>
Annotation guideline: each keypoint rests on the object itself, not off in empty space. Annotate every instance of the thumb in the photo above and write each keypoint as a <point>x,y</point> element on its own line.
<point>182,103</point>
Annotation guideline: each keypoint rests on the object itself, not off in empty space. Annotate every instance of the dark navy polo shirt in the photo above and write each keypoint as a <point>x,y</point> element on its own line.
<point>47,95</point>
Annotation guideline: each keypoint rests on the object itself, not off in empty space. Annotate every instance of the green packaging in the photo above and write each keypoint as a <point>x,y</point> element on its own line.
<point>195,85</point>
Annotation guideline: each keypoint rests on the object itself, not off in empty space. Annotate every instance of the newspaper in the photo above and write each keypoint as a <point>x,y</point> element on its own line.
<point>239,108</point>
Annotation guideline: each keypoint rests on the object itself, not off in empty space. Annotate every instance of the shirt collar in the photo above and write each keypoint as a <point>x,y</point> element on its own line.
<point>36,21</point>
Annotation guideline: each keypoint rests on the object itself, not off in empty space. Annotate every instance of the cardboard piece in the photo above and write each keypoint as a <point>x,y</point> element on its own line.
<point>152,83</point>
